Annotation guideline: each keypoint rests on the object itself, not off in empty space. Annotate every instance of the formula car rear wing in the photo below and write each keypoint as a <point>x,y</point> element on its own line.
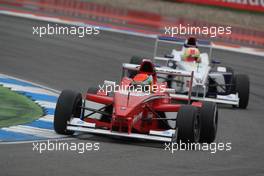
<point>179,41</point>
<point>232,99</point>
<point>160,70</point>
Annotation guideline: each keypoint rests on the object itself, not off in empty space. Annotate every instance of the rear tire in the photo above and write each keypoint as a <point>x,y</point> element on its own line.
<point>188,124</point>
<point>134,60</point>
<point>242,88</point>
<point>209,121</point>
<point>68,106</point>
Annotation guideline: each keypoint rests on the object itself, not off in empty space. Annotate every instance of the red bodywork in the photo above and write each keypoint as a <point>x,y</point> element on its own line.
<point>136,111</point>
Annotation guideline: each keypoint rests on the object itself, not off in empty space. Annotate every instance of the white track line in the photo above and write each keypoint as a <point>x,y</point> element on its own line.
<point>40,132</point>
<point>47,118</point>
<point>46,104</point>
<point>30,89</point>
<point>30,82</point>
<point>41,140</point>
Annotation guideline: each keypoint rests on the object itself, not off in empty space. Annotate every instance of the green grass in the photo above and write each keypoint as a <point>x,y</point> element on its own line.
<point>17,109</point>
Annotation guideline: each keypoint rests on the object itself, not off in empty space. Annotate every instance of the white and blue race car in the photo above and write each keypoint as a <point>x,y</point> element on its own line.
<point>212,81</point>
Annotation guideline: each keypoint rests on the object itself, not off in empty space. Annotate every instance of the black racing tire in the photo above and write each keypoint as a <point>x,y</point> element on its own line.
<point>242,85</point>
<point>209,122</point>
<point>188,124</point>
<point>134,60</point>
<point>68,106</point>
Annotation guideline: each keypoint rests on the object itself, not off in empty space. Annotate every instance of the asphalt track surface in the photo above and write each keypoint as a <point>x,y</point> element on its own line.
<point>70,62</point>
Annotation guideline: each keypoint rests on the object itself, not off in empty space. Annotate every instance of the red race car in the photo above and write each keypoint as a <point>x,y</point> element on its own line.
<point>135,109</point>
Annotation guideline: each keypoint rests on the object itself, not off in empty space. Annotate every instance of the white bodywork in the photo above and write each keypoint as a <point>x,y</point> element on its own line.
<point>200,78</point>
<point>231,99</point>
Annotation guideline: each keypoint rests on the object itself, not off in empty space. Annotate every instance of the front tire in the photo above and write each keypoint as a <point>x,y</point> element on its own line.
<point>242,88</point>
<point>68,106</point>
<point>209,122</point>
<point>188,124</point>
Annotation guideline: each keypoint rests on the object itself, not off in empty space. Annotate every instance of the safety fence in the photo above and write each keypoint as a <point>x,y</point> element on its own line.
<point>249,5</point>
<point>145,22</point>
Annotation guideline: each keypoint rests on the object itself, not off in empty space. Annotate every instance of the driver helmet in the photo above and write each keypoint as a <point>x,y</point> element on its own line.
<point>192,55</point>
<point>191,42</point>
<point>143,78</point>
